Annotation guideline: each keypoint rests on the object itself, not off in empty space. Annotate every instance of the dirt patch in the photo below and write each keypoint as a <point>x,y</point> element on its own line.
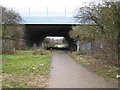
<point>37,81</point>
<point>23,81</point>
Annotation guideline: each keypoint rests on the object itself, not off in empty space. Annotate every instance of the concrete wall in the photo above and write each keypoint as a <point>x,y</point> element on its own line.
<point>86,46</point>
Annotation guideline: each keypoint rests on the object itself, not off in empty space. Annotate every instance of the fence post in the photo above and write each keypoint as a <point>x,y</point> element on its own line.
<point>78,46</point>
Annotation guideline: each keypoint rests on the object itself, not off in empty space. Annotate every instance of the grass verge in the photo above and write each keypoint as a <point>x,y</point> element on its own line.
<point>25,71</point>
<point>96,65</point>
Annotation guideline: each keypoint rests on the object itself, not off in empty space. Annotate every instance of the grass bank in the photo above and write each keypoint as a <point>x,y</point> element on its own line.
<point>25,71</point>
<point>98,66</point>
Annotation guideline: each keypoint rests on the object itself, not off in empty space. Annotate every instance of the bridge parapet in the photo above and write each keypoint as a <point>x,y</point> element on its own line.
<point>49,20</point>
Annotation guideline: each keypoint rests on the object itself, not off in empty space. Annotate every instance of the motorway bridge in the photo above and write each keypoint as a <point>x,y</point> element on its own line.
<point>39,27</point>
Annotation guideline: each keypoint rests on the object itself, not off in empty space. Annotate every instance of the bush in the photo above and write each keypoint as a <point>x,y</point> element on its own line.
<point>9,52</point>
<point>40,52</point>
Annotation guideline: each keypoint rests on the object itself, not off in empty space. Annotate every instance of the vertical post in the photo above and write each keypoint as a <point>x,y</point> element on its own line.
<point>65,11</point>
<point>47,11</point>
<point>51,50</point>
<point>78,46</point>
<point>29,11</point>
<point>19,44</point>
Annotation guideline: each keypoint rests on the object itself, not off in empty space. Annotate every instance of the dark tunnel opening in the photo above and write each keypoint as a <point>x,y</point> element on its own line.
<point>36,33</point>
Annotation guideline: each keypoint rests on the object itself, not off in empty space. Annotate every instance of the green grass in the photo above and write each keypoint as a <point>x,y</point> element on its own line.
<point>25,64</point>
<point>19,70</point>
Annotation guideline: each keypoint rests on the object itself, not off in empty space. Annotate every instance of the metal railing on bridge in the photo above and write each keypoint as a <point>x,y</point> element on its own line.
<point>47,15</point>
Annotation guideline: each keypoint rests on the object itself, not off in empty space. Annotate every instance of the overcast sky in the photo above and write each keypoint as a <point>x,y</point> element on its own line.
<point>60,37</point>
<point>55,7</point>
<point>48,3</point>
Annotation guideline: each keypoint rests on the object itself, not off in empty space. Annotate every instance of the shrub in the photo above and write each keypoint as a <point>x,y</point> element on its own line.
<point>40,52</point>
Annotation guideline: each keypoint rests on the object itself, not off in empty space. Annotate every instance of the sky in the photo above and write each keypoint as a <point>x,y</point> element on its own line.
<point>42,3</point>
<point>46,3</point>
<point>55,7</point>
<point>53,37</point>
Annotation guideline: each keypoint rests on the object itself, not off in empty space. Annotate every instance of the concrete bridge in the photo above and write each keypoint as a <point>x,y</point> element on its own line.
<point>38,27</point>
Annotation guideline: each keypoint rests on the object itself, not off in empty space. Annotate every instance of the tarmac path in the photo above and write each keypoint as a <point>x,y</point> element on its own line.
<point>67,73</point>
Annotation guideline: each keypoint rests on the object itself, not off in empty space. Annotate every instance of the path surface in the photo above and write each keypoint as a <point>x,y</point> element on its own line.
<point>66,73</point>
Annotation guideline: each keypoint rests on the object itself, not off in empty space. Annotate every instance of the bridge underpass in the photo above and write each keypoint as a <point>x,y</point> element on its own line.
<point>38,27</point>
<point>36,33</point>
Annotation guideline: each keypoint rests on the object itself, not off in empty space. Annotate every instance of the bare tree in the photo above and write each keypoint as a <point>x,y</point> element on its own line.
<point>11,26</point>
<point>11,23</point>
<point>106,17</point>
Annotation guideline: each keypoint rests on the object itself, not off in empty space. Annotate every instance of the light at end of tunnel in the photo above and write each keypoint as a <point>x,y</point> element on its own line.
<point>55,37</point>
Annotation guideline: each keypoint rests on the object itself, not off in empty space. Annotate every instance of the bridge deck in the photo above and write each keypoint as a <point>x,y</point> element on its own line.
<point>49,20</point>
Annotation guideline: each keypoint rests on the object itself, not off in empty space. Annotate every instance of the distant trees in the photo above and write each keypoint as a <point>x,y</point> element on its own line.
<point>102,25</point>
<point>46,42</point>
<point>11,27</point>
<point>64,41</point>
<point>49,42</point>
<point>11,24</point>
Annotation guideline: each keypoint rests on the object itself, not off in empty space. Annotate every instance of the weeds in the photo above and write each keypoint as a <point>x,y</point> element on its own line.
<point>96,65</point>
